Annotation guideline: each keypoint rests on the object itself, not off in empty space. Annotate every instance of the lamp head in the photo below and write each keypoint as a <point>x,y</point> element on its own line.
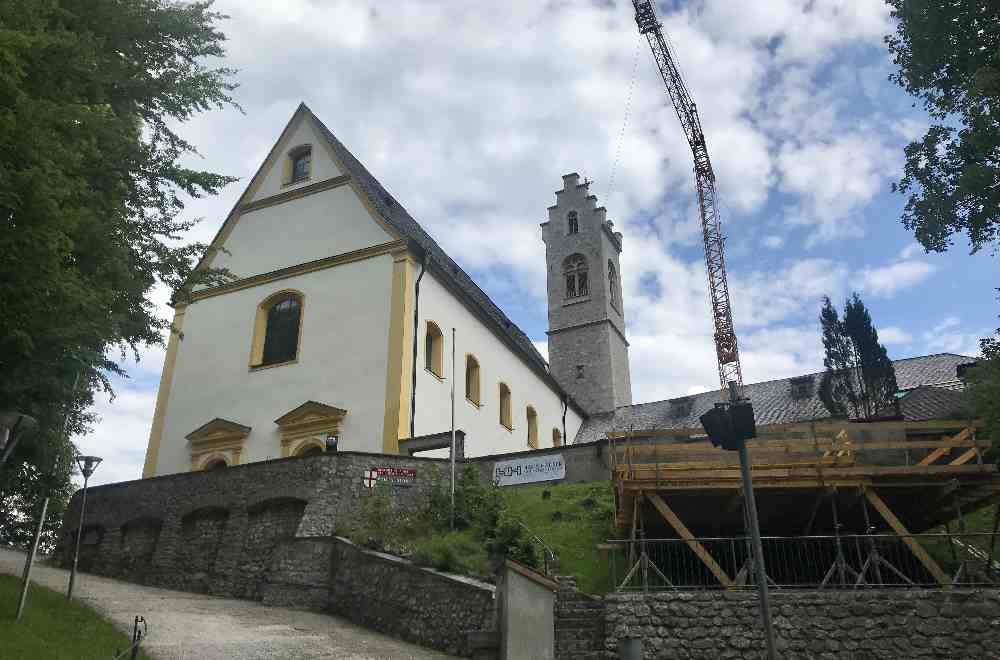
<point>88,464</point>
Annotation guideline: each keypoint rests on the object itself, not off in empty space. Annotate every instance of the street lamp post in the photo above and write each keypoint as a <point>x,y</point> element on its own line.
<point>87,466</point>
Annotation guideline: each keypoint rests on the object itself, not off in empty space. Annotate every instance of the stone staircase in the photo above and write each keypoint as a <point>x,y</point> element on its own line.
<point>579,623</point>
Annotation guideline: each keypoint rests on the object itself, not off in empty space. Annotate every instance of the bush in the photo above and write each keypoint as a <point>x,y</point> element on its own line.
<point>455,552</point>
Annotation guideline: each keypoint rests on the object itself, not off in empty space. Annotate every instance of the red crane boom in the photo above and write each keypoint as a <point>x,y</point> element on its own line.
<point>726,347</point>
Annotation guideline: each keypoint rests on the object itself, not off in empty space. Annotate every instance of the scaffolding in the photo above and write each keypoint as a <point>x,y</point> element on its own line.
<point>820,479</point>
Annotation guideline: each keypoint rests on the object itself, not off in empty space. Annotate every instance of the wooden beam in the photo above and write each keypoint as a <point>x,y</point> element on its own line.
<point>947,445</point>
<point>965,458</point>
<point>804,428</point>
<point>698,549</point>
<point>901,531</point>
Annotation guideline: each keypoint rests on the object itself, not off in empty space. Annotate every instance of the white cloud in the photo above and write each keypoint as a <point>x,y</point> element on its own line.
<point>472,132</point>
<point>894,335</point>
<point>949,337</point>
<point>121,436</point>
<point>887,280</point>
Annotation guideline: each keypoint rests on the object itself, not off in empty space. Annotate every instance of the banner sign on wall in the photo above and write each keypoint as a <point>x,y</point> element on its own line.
<point>529,470</point>
<point>389,475</point>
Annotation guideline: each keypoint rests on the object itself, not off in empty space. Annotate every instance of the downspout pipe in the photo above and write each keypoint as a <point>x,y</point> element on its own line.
<point>565,403</point>
<point>416,332</point>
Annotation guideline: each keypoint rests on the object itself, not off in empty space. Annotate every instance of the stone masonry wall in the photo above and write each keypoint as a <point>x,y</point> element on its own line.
<point>810,625</point>
<point>393,596</point>
<point>579,623</point>
<point>217,532</point>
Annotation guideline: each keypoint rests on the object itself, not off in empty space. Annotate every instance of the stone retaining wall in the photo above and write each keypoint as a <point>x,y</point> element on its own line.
<point>217,532</point>
<point>813,625</point>
<point>391,595</point>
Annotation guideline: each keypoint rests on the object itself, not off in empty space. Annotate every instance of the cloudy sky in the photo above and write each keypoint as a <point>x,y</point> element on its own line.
<point>469,113</point>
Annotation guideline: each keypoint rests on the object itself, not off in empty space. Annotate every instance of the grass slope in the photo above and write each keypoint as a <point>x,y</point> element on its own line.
<point>572,520</point>
<point>53,628</point>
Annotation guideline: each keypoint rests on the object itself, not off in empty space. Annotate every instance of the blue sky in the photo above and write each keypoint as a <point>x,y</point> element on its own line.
<point>470,114</point>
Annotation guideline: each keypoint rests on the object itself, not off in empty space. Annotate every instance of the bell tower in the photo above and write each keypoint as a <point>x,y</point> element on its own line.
<point>588,352</point>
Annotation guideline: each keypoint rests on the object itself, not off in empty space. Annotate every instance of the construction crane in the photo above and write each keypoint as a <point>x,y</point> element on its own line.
<point>726,348</point>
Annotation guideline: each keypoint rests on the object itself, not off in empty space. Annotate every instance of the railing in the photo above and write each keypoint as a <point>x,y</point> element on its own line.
<point>855,561</point>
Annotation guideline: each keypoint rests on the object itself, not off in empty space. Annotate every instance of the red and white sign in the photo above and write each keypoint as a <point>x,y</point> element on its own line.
<point>389,475</point>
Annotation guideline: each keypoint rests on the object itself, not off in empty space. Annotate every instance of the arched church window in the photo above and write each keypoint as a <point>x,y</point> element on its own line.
<point>216,464</point>
<point>573,222</point>
<point>505,407</point>
<point>613,284</point>
<point>309,450</point>
<point>532,427</point>
<point>278,321</point>
<point>575,270</point>
<point>556,438</point>
<point>472,379</point>
<point>434,350</point>
<point>301,163</point>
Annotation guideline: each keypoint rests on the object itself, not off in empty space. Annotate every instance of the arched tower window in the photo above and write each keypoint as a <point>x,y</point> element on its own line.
<point>216,464</point>
<point>613,284</point>
<point>575,270</point>
<point>434,350</point>
<point>276,331</point>
<point>472,379</point>
<point>532,427</point>
<point>556,438</point>
<point>300,163</point>
<point>573,223</point>
<point>505,407</point>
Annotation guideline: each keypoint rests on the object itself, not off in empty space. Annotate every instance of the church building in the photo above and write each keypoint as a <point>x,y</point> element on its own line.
<point>343,315</point>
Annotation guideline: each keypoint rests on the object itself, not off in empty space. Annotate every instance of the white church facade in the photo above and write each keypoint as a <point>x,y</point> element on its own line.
<point>338,323</point>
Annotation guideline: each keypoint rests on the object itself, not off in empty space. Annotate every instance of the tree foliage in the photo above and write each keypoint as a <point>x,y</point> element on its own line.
<point>982,387</point>
<point>92,182</point>
<point>948,54</point>
<point>860,380</point>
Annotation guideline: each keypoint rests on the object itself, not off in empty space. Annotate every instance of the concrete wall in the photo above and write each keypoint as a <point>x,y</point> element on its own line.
<point>585,462</point>
<point>809,625</point>
<point>497,363</point>
<point>341,362</point>
<point>527,629</point>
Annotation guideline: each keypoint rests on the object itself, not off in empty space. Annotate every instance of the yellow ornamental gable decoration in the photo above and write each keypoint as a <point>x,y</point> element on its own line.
<point>308,426</point>
<point>218,439</point>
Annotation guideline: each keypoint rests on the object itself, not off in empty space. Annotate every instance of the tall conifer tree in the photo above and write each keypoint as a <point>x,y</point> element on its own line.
<point>860,380</point>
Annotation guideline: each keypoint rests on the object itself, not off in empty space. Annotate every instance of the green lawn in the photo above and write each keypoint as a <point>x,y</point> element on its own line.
<point>572,520</point>
<point>53,628</point>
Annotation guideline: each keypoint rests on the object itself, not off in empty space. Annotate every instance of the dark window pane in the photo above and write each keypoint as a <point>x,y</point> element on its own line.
<point>581,283</point>
<point>282,335</point>
<point>300,166</point>
<point>571,286</point>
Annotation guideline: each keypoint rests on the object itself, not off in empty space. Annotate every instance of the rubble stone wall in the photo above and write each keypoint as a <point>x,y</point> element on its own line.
<point>813,625</point>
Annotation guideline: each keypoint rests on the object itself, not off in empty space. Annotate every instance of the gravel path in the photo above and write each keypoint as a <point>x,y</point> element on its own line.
<point>196,627</point>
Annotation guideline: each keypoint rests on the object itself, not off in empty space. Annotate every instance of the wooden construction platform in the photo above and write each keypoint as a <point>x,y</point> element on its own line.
<point>925,472</point>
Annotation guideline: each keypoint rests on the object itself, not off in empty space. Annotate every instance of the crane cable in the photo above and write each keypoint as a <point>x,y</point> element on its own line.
<point>628,112</point>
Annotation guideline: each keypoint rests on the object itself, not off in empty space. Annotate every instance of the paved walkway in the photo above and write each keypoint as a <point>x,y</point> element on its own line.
<point>196,627</point>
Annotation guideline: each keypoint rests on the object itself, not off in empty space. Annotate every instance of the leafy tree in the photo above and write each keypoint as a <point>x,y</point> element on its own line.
<point>948,55</point>
<point>860,379</point>
<point>91,192</point>
<point>982,387</point>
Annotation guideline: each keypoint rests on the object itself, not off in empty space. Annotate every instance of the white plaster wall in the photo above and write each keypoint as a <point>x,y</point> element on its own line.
<point>497,363</point>
<point>322,168</point>
<point>341,362</point>
<point>312,227</point>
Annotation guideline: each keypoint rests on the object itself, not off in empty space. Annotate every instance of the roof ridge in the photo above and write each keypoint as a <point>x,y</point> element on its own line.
<point>788,378</point>
<point>384,203</point>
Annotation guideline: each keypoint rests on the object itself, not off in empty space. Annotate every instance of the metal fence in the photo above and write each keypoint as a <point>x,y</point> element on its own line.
<point>803,562</point>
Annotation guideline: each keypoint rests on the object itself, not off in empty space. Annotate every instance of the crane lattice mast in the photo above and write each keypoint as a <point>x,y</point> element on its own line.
<point>726,348</point>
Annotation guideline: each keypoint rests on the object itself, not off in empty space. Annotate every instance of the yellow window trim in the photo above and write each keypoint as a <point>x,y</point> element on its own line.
<point>260,330</point>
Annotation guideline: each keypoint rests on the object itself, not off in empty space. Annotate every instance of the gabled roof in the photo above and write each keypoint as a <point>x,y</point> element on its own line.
<point>774,402</point>
<point>438,260</point>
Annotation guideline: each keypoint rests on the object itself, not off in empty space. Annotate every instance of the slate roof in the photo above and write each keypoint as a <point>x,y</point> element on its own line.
<point>398,217</point>
<point>774,402</point>
<point>925,402</point>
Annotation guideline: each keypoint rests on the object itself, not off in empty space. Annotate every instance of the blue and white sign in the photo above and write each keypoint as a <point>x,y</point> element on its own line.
<point>529,470</point>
